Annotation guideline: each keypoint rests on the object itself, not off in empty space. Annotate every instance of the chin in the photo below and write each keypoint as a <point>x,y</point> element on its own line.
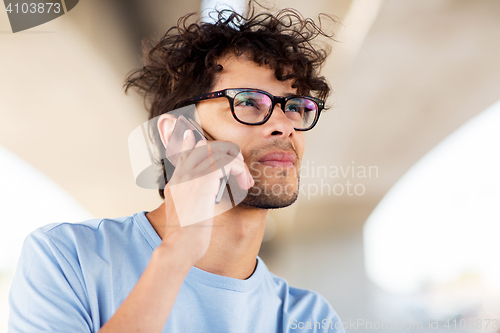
<point>264,197</point>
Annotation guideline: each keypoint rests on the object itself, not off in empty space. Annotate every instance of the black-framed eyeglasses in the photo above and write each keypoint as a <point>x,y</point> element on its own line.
<point>254,107</point>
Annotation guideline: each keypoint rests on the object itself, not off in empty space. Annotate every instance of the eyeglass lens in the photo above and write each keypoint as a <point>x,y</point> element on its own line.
<point>252,107</point>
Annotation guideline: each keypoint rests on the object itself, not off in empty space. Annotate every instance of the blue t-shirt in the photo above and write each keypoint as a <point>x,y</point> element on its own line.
<point>72,277</point>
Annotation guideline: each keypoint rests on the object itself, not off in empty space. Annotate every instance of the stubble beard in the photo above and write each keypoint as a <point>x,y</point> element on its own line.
<point>266,195</point>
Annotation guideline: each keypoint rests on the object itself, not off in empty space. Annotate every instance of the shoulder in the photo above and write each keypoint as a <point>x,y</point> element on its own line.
<point>88,231</point>
<point>55,279</point>
<point>305,307</point>
<point>93,226</point>
<point>301,298</point>
<point>69,241</point>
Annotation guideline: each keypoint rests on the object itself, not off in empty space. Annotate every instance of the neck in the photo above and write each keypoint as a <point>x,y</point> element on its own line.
<point>235,242</point>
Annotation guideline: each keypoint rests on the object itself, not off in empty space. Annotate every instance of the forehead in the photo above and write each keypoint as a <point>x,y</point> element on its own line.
<point>241,72</point>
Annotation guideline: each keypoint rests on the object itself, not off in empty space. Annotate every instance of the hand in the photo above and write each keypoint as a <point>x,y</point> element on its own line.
<point>190,194</point>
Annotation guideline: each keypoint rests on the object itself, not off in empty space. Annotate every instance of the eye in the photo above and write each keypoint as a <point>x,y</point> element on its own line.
<point>246,102</point>
<point>295,108</point>
<point>300,106</point>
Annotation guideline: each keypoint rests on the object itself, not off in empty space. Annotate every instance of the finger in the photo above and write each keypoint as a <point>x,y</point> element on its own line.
<point>196,154</point>
<point>207,165</point>
<point>240,171</point>
<point>187,147</point>
<point>228,147</point>
<point>233,166</point>
<point>240,156</point>
<point>202,152</point>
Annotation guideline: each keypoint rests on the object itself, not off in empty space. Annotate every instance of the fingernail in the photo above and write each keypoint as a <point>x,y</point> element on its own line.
<point>185,135</point>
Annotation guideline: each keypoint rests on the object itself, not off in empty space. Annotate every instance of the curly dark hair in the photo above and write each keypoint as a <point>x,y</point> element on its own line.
<point>184,62</point>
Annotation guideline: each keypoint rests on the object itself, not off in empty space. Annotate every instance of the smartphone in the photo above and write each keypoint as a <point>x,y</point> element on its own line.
<point>174,147</point>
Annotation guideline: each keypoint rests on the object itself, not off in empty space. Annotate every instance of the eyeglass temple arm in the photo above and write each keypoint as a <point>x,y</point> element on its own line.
<point>215,94</point>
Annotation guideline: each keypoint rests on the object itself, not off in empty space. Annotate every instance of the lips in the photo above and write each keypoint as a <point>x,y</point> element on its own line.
<point>278,159</point>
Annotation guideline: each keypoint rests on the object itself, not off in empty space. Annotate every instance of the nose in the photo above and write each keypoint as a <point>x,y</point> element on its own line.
<point>278,124</point>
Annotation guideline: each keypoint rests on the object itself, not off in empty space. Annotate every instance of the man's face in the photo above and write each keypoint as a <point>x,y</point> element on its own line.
<point>276,184</point>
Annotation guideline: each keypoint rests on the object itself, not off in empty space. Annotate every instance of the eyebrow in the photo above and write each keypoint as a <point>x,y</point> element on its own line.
<point>284,95</point>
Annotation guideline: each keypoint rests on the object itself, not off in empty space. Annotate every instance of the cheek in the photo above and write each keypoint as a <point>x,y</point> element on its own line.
<point>300,145</point>
<point>214,112</point>
<point>215,123</point>
<point>230,130</point>
<point>243,138</point>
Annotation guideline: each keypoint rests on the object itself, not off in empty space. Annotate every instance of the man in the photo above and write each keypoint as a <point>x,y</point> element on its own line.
<point>146,273</point>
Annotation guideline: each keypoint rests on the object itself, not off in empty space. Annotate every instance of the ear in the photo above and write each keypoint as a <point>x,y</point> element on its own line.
<point>166,123</point>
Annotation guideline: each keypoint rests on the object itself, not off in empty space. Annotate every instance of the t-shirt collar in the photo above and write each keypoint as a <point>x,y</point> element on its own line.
<point>200,276</point>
